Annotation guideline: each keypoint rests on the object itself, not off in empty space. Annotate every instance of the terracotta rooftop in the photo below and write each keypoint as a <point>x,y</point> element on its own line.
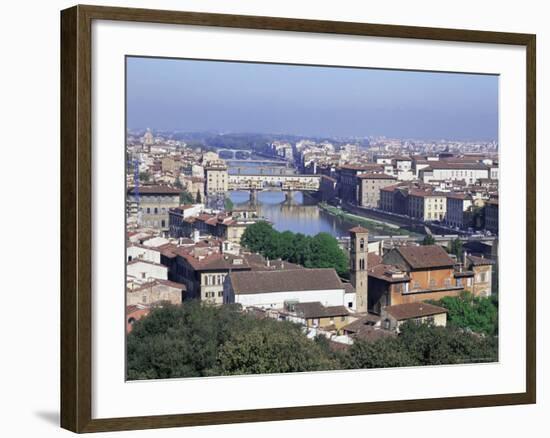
<point>376,176</point>
<point>413,310</point>
<point>155,190</point>
<point>388,273</point>
<point>425,256</point>
<point>358,230</point>
<point>479,261</point>
<point>280,281</point>
<point>317,310</point>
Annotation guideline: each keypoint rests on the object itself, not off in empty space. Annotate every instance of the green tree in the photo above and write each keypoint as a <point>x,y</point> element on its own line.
<point>202,340</point>
<point>456,248</point>
<point>383,353</point>
<point>478,314</point>
<point>185,197</point>
<point>428,240</point>
<point>198,197</point>
<point>319,251</point>
<point>228,204</point>
<point>273,347</point>
<point>326,253</point>
<point>433,345</point>
<point>258,236</point>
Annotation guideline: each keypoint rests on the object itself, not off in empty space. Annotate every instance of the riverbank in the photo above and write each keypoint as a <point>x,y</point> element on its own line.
<point>373,225</point>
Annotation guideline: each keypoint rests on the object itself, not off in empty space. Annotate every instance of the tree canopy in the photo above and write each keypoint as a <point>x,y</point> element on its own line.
<point>319,251</point>
<point>478,314</point>
<point>195,339</point>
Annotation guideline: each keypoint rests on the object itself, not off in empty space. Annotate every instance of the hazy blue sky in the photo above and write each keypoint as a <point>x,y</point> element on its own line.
<point>167,94</point>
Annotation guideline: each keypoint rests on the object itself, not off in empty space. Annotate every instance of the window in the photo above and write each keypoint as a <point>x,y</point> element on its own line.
<point>350,305</point>
<point>362,244</point>
<point>220,293</point>
<point>432,282</point>
<point>483,277</point>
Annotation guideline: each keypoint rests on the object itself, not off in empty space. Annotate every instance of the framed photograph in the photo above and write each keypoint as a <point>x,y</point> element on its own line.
<point>270,218</point>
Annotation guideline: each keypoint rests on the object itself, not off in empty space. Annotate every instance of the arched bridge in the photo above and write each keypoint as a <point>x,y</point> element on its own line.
<point>274,182</point>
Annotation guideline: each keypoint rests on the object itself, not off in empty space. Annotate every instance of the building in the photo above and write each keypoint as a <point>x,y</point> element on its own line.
<point>459,210</point>
<point>369,185</point>
<point>328,188</point>
<point>482,269</point>
<point>177,216</point>
<point>202,268</point>
<point>444,170</point>
<point>151,204</point>
<point>281,289</point>
<point>144,271</point>
<point>348,173</point>
<point>155,292</point>
<point>216,179</point>
<point>227,226</point>
<point>325,317</point>
<point>358,259</point>
<point>411,274</point>
<point>491,216</point>
<point>427,205</point>
<point>394,316</point>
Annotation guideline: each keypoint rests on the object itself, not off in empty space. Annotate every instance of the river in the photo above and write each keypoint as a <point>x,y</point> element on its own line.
<point>301,216</point>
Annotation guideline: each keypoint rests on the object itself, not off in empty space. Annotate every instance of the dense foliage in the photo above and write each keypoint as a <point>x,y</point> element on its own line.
<point>319,251</point>
<point>478,314</point>
<point>186,198</point>
<point>200,340</point>
<point>456,248</point>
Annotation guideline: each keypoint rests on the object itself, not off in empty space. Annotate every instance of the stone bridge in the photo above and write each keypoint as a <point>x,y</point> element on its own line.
<point>274,182</point>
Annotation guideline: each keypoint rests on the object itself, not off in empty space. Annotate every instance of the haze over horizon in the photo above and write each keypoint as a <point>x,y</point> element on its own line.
<point>197,96</point>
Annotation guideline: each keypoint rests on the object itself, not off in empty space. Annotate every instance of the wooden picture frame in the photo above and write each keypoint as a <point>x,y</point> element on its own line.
<point>76,218</point>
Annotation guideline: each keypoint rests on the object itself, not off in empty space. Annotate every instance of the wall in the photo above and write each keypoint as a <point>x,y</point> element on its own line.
<point>330,297</point>
<point>30,98</point>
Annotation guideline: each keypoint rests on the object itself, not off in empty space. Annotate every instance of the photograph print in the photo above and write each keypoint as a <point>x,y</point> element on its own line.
<point>286,218</point>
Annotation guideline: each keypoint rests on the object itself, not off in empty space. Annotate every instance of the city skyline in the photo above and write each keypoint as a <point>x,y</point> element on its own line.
<point>219,96</point>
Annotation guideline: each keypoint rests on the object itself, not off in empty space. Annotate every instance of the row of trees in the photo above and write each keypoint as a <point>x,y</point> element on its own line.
<point>319,251</point>
<point>199,340</point>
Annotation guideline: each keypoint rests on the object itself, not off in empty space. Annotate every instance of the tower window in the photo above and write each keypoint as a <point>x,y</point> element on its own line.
<point>362,243</point>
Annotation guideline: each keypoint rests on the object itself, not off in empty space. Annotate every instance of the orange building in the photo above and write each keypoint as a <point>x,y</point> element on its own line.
<point>411,274</point>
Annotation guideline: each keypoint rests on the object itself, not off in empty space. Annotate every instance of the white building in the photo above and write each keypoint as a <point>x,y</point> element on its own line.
<point>276,289</point>
<point>143,270</point>
<point>445,171</point>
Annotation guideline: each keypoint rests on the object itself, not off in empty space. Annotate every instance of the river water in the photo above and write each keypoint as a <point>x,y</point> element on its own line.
<point>300,216</point>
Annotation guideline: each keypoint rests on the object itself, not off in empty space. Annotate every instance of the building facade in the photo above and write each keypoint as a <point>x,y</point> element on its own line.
<point>369,186</point>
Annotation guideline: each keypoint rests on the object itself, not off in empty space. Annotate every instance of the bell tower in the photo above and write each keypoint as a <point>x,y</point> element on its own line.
<point>359,276</point>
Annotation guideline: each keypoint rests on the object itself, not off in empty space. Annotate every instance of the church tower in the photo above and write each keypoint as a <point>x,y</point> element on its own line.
<point>359,276</point>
